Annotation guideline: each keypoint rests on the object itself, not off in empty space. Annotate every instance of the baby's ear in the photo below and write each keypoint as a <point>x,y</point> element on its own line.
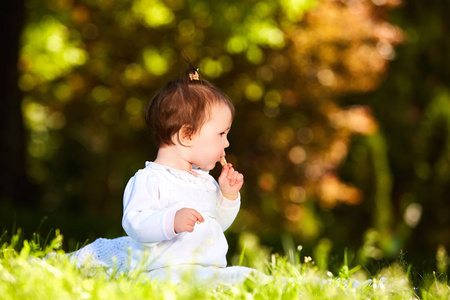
<point>185,135</point>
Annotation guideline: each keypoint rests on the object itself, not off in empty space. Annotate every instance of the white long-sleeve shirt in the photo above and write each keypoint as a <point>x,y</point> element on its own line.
<point>151,199</point>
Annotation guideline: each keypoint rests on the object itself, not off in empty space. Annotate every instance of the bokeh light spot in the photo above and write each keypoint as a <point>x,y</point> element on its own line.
<point>101,94</point>
<point>297,155</point>
<point>412,214</point>
<point>210,67</point>
<point>254,91</point>
<point>154,62</point>
<point>134,106</point>
<point>237,44</point>
<point>255,55</point>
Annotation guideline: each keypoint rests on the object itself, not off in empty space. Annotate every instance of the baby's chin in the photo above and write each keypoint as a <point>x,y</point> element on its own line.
<point>210,166</point>
<point>217,164</point>
<point>207,167</point>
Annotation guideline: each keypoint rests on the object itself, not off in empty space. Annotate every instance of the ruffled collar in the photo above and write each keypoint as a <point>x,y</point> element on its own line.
<point>199,177</point>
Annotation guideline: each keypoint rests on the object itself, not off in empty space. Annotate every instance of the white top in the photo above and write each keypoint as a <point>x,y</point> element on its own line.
<point>151,199</point>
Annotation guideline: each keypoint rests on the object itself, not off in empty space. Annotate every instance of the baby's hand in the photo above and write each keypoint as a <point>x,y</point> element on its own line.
<point>185,220</point>
<point>230,182</point>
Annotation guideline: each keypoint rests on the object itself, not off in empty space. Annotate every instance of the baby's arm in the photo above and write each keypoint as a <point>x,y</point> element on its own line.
<point>226,211</point>
<point>144,219</point>
<point>230,182</point>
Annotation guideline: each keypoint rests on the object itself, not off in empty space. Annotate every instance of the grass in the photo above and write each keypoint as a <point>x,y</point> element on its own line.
<point>27,271</point>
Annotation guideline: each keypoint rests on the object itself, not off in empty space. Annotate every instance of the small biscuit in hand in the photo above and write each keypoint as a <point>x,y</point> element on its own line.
<point>223,161</point>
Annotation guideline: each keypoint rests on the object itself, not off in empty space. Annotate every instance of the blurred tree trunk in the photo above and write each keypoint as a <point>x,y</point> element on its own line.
<point>14,185</point>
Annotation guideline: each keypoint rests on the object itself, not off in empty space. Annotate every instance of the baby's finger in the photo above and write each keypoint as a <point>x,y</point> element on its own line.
<point>191,222</point>
<point>240,178</point>
<point>230,173</point>
<point>225,170</point>
<point>198,216</point>
<point>234,177</point>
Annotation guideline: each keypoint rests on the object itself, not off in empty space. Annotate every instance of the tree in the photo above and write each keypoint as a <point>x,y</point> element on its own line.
<point>88,68</point>
<point>14,183</point>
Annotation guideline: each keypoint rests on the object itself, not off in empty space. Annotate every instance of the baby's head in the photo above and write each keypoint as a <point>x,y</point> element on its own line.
<point>183,102</point>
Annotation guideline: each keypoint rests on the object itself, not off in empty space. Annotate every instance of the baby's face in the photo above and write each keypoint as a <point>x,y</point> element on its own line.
<point>209,143</point>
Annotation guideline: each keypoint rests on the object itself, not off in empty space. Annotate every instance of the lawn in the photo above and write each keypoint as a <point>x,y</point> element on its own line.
<point>27,271</point>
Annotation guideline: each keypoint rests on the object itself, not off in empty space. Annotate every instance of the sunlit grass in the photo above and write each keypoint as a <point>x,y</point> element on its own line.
<point>29,271</point>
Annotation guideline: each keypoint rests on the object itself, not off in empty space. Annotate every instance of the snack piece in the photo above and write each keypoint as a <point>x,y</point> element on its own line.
<point>223,161</point>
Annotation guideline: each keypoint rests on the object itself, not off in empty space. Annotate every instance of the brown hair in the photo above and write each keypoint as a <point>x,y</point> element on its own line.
<point>182,102</point>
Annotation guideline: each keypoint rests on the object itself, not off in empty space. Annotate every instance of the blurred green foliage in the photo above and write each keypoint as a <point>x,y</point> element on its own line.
<point>342,126</point>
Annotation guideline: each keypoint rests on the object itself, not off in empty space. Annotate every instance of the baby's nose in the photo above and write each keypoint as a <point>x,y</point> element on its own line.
<point>225,142</point>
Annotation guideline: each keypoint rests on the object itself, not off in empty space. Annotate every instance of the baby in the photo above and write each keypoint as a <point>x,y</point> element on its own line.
<point>175,213</point>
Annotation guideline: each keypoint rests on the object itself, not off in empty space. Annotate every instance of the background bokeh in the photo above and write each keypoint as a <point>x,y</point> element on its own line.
<point>342,125</point>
